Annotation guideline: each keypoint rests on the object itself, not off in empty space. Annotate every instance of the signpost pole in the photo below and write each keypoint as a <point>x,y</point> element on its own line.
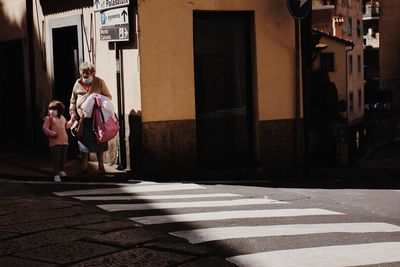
<point>121,111</point>
<point>114,28</point>
<point>299,135</point>
<point>299,10</point>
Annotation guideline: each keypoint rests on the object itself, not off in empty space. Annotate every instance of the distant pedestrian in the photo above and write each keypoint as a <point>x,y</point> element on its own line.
<point>54,127</point>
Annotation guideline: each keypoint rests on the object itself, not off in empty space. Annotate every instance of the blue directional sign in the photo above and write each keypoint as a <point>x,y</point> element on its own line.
<point>299,8</point>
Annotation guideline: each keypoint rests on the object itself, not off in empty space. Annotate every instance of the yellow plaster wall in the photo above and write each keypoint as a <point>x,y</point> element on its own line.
<point>390,47</point>
<point>167,64</point>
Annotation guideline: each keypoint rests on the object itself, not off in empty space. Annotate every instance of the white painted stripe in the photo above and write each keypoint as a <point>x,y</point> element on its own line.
<point>235,214</point>
<point>332,256</point>
<point>131,189</point>
<point>194,204</point>
<point>221,233</point>
<point>157,197</point>
<point>128,183</point>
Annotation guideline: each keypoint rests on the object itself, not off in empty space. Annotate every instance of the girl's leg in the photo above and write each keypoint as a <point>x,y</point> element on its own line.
<point>100,159</point>
<point>63,158</point>
<point>56,157</point>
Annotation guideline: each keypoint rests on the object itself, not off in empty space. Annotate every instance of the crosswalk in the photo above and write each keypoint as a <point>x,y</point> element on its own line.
<point>179,203</point>
<point>228,215</point>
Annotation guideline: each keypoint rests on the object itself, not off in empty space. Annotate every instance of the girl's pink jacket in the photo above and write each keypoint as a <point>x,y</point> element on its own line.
<point>55,129</point>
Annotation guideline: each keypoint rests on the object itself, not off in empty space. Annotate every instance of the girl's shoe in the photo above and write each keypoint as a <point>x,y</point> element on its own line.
<point>57,178</point>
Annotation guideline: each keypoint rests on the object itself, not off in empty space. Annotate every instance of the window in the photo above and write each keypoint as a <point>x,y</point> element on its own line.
<point>327,62</point>
<point>359,99</point>
<point>350,26</point>
<point>359,63</point>
<point>359,28</point>
<point>350,64</point>
<point>351,101</point>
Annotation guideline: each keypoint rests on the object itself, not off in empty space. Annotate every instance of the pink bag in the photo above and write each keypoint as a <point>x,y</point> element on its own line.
<point>104,130</point>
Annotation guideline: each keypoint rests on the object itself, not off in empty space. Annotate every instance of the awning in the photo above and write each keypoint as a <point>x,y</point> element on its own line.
<point>59,6</point>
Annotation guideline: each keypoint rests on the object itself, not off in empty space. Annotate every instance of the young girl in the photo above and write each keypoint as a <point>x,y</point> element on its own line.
<point>54,127</point>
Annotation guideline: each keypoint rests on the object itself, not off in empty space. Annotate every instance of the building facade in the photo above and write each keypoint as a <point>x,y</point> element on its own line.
<point>343,19</point>
<point>371,15</point>
<point>203,86</point>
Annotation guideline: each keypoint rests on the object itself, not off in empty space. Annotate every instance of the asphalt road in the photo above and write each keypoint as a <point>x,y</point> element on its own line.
<point>252,225</point>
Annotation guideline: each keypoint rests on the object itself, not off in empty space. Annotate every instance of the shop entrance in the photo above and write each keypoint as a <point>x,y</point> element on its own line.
<point>224,91</point>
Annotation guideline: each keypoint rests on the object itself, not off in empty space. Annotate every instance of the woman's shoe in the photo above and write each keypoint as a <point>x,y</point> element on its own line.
<point>82,172</point>
<point>101,171</point>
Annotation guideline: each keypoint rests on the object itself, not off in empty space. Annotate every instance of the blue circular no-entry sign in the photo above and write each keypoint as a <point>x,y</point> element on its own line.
<point>299,8</point>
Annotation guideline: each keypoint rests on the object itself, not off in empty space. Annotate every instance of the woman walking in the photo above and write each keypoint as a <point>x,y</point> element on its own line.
<point>86,85</point>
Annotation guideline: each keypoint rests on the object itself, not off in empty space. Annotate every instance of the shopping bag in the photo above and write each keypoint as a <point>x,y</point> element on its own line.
<point>104,130</point>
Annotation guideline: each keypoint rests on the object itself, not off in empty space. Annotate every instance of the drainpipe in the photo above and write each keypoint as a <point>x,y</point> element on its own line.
<point>122,162</point>
<point>32,73</point>
<point>347,100</point>
<point>347,79</point>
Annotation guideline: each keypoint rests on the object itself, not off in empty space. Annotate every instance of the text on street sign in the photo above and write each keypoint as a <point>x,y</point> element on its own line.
<point>115,33</point>
<point>108,4</point>
<point>117,16</point>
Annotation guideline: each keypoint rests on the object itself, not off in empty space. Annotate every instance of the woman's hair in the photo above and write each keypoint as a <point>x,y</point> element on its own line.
<point>87,66</point>
<point>57,105</point>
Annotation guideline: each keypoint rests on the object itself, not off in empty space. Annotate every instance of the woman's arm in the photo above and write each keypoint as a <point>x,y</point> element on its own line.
<point>72,105</point>
<point>104,90</point>
<point>68,124</point>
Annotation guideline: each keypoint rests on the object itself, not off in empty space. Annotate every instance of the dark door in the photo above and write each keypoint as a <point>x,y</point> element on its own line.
<point>66,65</point>
<point>66,70</point>
<point>223,81</point>
<point>13,110</point>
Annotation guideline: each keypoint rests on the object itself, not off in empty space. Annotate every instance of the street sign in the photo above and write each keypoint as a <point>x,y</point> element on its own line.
<point>299,8</point>
<point>108,4</point>
<point>115,33</point>
<point>117,16</point>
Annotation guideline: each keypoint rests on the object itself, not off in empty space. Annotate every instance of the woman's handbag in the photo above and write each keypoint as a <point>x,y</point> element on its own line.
<point>77,128</point>
<point>104,130</point>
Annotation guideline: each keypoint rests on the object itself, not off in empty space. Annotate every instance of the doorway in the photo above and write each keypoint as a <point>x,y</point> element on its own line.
<point>13,107</point>
<point>224,89</point>
<point>67,54</point>
<point>65,63</point>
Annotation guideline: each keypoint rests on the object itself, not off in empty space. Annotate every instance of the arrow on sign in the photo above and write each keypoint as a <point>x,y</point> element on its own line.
<point>302,2</point>
<point>124,14</point>
<point>123,33</point>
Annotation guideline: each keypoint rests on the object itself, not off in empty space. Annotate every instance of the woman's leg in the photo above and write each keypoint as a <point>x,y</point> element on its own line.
<point>100,159</point>
<point>84,161</point>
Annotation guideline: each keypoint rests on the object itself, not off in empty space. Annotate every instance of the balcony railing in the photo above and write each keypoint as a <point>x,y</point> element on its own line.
<point>316,3</point>
<point>371,11</point>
